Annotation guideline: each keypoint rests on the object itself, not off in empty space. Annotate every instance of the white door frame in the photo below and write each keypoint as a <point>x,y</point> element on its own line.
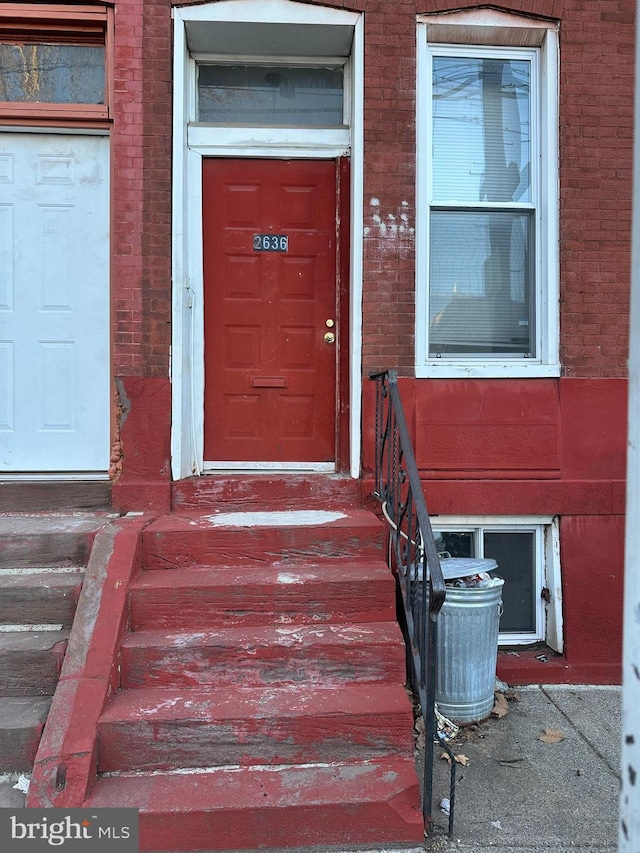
<point>193,142</point>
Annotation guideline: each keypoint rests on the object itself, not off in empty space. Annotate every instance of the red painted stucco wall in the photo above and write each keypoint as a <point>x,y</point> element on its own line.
<point>535,447</point>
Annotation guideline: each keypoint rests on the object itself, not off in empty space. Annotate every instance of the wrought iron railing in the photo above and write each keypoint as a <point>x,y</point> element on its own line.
<point>413,556</point>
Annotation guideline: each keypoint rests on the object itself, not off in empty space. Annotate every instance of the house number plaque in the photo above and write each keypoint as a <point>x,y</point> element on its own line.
<point>270,243</point>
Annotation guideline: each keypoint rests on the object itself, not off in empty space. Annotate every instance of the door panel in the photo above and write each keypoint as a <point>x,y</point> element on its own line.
<point>270,375</point>
<point>54,303</point>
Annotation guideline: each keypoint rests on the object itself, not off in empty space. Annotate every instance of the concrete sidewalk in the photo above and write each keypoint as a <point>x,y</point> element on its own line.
<point>518,793</point>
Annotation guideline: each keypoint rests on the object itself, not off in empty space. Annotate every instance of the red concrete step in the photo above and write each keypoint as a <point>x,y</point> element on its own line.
<point>21,722</point>
<point>352,591</point>
<point>30,662</point>
<point>161,728</point>
<point>266,491</point>
<point>255,656</point>
<point>248,808</point>
<point>191,540</point>
<point>46,597</point>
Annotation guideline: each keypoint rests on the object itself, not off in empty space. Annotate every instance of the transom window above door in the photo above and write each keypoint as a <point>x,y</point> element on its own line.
<point>271,95</point>
<point>266,77</point>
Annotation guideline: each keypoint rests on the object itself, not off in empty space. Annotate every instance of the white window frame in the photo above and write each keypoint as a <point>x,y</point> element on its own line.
<point>484,33</point>
<point>337,62</point>
<point>547,568</point>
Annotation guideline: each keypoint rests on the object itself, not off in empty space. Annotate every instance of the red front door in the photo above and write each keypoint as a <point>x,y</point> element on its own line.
<point>270,305</point>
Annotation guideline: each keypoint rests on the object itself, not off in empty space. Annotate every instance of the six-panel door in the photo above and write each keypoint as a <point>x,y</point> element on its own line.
<point>54,303</point>
<point>269,232</point>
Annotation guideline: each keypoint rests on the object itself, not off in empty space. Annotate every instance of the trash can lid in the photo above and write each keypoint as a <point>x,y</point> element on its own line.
<point>455,567</point>
<point>464,567</point>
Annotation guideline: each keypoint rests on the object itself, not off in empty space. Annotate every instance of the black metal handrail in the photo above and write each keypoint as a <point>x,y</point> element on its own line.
<point>413,556</point>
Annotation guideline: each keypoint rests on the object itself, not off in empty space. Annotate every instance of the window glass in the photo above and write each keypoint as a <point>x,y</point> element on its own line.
<point>480,255</point>
<point>519,565</point>
<point>515,554</point>
<point>270,95</point>
<point>52,73</point>
<point>481,129</point>
<point>456,544</point>
<point>480,282</point>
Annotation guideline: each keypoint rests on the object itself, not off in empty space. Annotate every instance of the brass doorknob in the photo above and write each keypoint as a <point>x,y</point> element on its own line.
<point>329,337</point>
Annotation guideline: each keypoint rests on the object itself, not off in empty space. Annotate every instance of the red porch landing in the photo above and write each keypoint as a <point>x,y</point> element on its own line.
<point>259,699</point>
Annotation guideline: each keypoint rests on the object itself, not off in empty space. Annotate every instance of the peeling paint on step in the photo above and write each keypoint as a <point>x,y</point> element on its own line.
<point>277,518</point>
<point>288,578</point>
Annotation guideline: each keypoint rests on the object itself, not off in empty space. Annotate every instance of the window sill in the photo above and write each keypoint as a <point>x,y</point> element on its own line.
<point>524,369</point>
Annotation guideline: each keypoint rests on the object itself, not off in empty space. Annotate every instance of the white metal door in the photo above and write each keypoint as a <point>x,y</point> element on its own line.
<point>54,303</point>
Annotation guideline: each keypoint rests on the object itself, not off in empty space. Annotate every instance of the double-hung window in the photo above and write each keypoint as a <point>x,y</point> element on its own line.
<point>487,281</point>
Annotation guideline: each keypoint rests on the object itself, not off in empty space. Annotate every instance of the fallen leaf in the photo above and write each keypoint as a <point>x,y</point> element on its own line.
<point>460,759</point>
<point>501,706</point>
<point>551,736</point>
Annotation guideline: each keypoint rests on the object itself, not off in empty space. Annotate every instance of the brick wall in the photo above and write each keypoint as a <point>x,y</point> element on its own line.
<point>389,185</point>
<point>141,188</point>
<point>595,170</point>
<point>127,189</point>
<point>596,103</point>
<point>597,40</point>
<point>596,120</point>
<point>156,244</point>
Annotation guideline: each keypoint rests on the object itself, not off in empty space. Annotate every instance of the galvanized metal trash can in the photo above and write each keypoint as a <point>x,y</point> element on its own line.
<point>467,645</point>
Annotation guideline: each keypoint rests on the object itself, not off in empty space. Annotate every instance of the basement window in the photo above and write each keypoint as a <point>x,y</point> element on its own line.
<point>526,552</point>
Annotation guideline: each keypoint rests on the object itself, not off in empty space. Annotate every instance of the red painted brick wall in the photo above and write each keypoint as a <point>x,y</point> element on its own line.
<point>595,174</point>
<point>596,106</point>
<point>595,171</point>
<point>389,185</point>
<point>156,242</point>
<point>127,189</point>
<point>141,188</point>
<point>141,250</point>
